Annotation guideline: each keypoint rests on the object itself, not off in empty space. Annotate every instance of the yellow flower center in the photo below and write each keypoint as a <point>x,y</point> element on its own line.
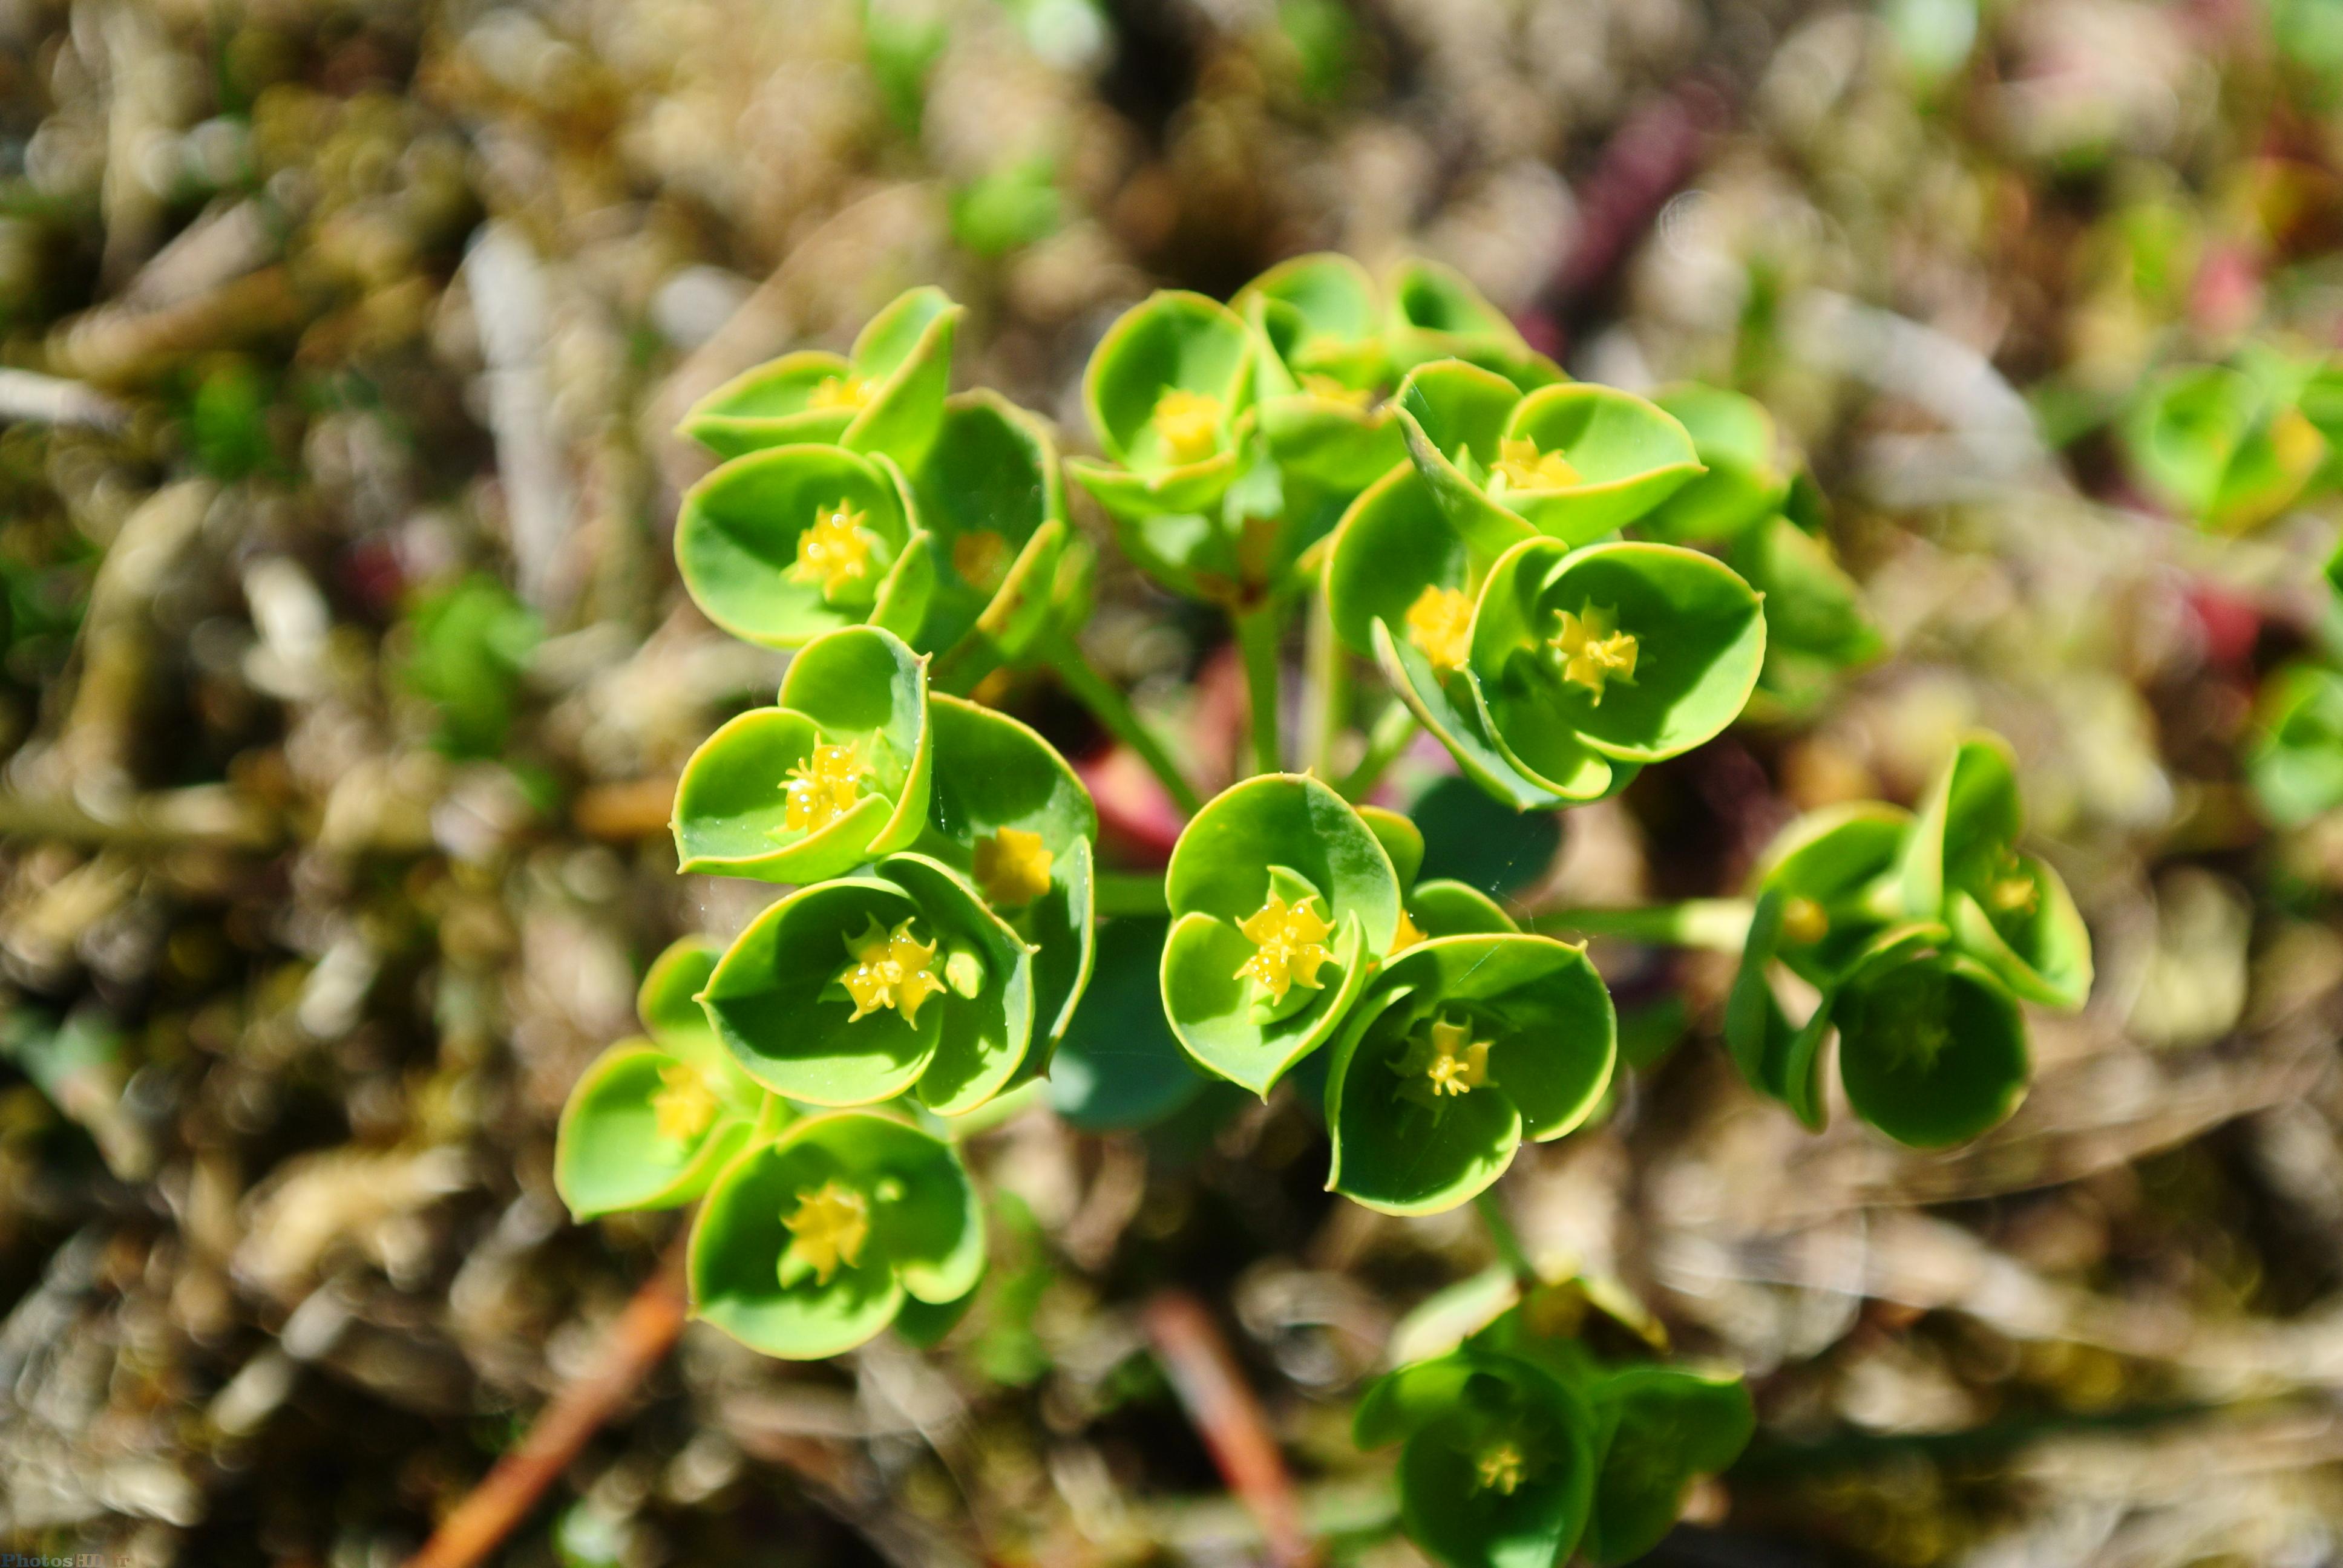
<point>1012,868</point>
<point>827,1233</point>
<point>823,788</point>
<point>1335,391</point>
<point>1524,468</point>
<point>1408,934</point>
<point>981,559</point>
<point>1440,624</point>
<point>2295,441</point>
<point>836,551</point>
<point>1500,1469</point>
<point>1442,1063</point>
<point>684,1106</point>
<point>1190,424</point>
<point>1289,940</point>
<point>890,970</point>
<point>1804,921</point>
<point>2012,891</point>
<point>834,392</point>
<point>1594,650</point>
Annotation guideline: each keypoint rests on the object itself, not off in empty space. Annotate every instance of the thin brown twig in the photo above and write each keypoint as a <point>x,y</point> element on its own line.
<point>637,1342</point>
<point>1214,1391</point>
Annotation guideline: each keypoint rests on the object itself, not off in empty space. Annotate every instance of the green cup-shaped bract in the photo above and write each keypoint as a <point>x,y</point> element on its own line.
<point>2221,447</point>
<point>904,1227</point>
<point>1169,391</point>
<point>1628,456</point>
<point>1464,1046</point>
<point>1289,839</point>
<point>1337,314</point>
<point>1833,860</point>
<point>652,1121</point>
<point>2296,760</point>
<point>1436,314</point>
<point>1007,813</point>
<point>1320,363</point>
<point>781,1002</point>
<point>1442,907</point>
<point>1657,1428</point>
<point>1931,1050</point>
<point>1453,416</point>
<point>741,541</point>
<point>887,396</point>
<point>994,502</point>
<point>1498,1466</point>
<point>837,775</point>
<point>1815,619</point>
<point>1737,442</point>
<point>1697,640</point>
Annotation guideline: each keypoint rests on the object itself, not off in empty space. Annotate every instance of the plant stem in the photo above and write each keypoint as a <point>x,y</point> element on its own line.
<point>1720,925</point>
<point>1395,726</point>
<point>1129,893</point>
<point>1502,1235</point>
<point>1257,637</point>
<point>1329,670</point>
<point>1113,709</point>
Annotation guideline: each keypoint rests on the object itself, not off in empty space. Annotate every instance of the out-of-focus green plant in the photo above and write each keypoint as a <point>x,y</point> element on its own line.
<point>468,644</point>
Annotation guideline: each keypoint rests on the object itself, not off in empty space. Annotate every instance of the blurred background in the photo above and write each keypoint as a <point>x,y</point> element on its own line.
<point>344,676</point>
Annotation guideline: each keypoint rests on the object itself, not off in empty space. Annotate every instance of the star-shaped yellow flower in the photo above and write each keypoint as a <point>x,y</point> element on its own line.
<point>1442,1062</point>
<point>684,1105</point>
<point>833,392</point>
<point>1290,942</point>
<point>1012,868</point>
<point>890,970</point>
<point>1440,624</point>
<point>1500,1469</point>
<point>836,551</point>
<point>1190,424</point>
<point>1593,651</point>
<point>827,1233</point>
<point>1524,468</point>
<point>823,788</point>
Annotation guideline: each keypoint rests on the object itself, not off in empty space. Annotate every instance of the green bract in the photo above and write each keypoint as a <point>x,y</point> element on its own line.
<point>2296,762</point>
<point>1006,812</point>
<point>1747,480</point>
<point>1461,1047</point>
<point>1170,396</point>
<point>812,1242</point>
<point>887,396</point>
<point>1321,363</point>
<point>855,990</point>
<point>1815,620</point>
<point>837,774</point>
<point>1633,652</point>
<point>1442,907</point>
<point>786,543</point>
<point>2226,450</point>
<point>1283,899</point>
<point>1657,1428</point>
<point>1436,314</point>
<point>652,1120</point>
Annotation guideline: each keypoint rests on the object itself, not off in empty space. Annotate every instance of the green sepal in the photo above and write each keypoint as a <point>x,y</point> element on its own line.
<point>736,539</point>
<point>2221,447</point>
<point>904,355</point>
<point>1631,456</point>
<point>1659,1427</point>
<point>1931,1049</point>
<point>925,1237</point>
<point>1435,314</point>
<point>1747,478</point>
<point>2295,761</point>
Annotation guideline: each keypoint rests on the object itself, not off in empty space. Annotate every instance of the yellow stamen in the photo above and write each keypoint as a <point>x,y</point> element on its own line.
<point>1335,391</point>
<point>1408,934</point>
<point>836,392</point>
<point>836,551</point>
<point>1500,1469</point>
<point>1594,650</point>
<point>1190,424</point>
<point>1524,468</point>
<point>1440,624</point>
<point>1012,868</point>
<point>685,1105</point>
<point>981,559</point>
<point>1290,939</point>
<point>827,1233</point>
<point>890,970</point>
<point>1443,1063</point>
<point>824,786</point>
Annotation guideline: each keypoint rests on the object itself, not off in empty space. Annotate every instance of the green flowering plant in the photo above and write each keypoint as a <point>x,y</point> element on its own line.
<point>838,773</point>
<point>1169,392</point>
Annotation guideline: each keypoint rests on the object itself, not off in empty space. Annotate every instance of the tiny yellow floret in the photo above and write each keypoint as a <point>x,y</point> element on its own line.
<point>1290,942</point>
<point>1594,650</point>
<point>827,1233</point>
<point>1500,1469</point>
<point>1012,868</point>
<point>684,1106</point>
<point>1524,468</point>
<point>890,970</point>
<point>1804,921</point>
<point>823,788</point>
<point>1440,624</point>
<point>1442,1063</point>
<point>1334,391</point>
<point>835,392</point>
<point>1190,424</point>
<point>836,551</point>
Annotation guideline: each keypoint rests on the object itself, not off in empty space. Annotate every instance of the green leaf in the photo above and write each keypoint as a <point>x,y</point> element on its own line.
<point>1447,1511</point>
<point>1337,314</point>
<point>1448,908</point>
<point>468,646</point>
<point>1119,1066</point>
<point>1812,606</point>
<point>669,999</point>
<point>1831,858</point>
<point>887,397</point>
<point>1736,441</point>
<point>1932,1050</point>
<point>1962,837</point>
<point>2296,759</point>
<point>1453,416</point>
<point>2035,942</point>
<point>1395,1155</point>
<point>2216,444</point>
<point>732,804</point>
<point>1662,1426</point>
<point>1213,1014</point>
<point>1437,315</point>
<point>1218,867</point>
<point>1628,456</point>
<point>1401,839</point>
<point>740,545</point>
<point>1394,545</point>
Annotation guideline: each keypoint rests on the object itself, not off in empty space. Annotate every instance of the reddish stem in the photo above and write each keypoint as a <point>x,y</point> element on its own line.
<point>1206,1377</point>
